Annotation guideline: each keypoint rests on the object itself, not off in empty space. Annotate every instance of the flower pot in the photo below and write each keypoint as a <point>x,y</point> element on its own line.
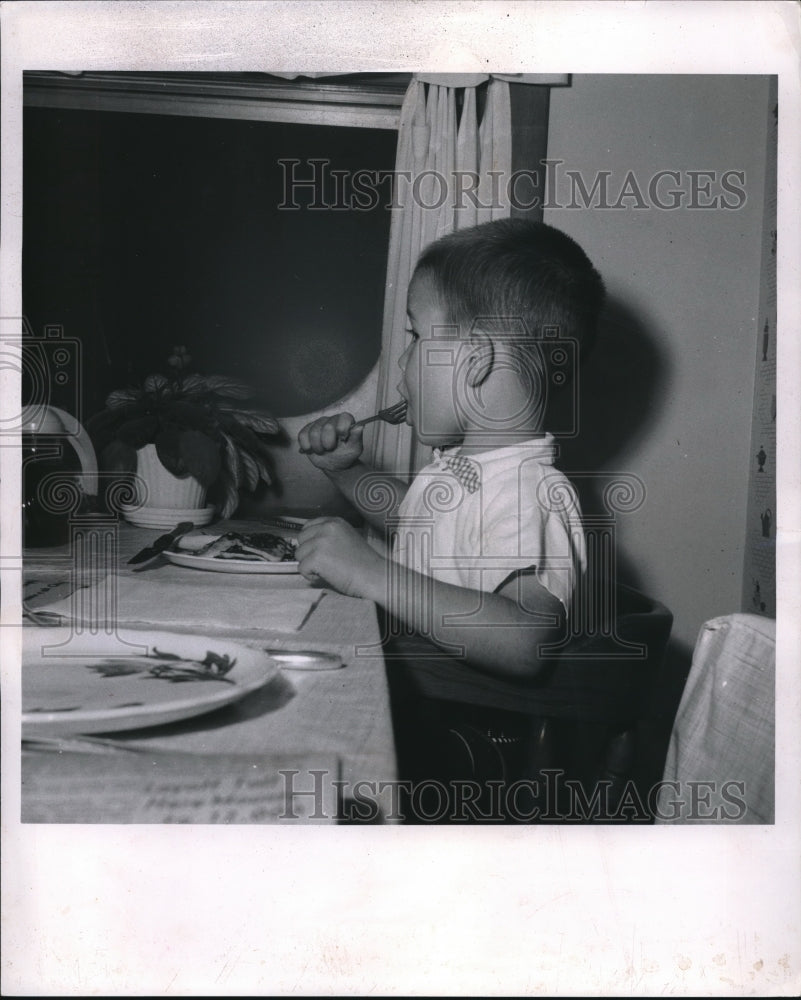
<point>163,489</point>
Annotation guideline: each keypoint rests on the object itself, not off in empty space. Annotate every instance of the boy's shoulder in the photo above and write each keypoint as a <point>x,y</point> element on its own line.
<point>524,477</point>
<point>531,455</point>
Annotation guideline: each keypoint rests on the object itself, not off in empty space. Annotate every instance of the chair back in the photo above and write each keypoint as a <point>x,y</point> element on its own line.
<point>600,674</point>
<point>603,673</point>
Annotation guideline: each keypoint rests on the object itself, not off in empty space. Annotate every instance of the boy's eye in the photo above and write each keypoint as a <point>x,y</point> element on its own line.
<point>412,333</point>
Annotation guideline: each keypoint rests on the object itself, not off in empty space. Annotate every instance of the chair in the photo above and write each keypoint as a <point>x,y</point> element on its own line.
<point>575,722</point>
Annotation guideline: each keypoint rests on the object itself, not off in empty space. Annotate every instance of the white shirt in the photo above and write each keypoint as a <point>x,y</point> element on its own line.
<point>505,510</point>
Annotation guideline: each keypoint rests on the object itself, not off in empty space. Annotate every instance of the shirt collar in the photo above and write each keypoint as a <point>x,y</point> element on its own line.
<point>543,448</point>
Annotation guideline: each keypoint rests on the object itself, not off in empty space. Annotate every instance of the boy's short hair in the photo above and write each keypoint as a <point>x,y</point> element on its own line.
<point>500,273</point>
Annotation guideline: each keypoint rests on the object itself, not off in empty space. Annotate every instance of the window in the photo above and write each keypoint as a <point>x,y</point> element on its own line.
<point>156,212</point>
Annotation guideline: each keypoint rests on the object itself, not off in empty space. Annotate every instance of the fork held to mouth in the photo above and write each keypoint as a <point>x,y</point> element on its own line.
<point>394,414</point>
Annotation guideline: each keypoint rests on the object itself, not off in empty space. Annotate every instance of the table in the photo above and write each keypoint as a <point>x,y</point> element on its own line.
<point>337,722</point>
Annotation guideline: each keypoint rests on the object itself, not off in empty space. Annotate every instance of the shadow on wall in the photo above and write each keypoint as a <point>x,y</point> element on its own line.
<point>623,378</point>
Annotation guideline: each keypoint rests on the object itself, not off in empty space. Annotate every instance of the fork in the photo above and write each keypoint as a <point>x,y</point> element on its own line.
<point>77,743</point>
<point>391,415</point>
<point>394,414</point>
<point>41,617</point>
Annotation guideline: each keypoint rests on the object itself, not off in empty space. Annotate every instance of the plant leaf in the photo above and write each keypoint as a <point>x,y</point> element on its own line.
<point>250,470</point>
<point>121,397</point>
<point>251,445</point>
<point>194,385</point>
<point>264,469</point>
<point>229,495</point>
<point>243,435</point>
<point>231,388</point>
<point>257,420</point>
<point>155,383</point>
<point>200,456</point>
<point>246,437</point>
<point>233,463</point>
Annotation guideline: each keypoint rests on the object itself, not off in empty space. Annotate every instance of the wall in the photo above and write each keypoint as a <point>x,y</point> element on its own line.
<point>668,390</point>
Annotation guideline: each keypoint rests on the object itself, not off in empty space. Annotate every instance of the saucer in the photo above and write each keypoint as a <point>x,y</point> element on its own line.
<point>167,517</point>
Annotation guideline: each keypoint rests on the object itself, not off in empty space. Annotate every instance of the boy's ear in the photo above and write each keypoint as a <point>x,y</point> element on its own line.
<point>481,359</point>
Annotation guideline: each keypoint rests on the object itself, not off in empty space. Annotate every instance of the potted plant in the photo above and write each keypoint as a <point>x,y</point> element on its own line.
<point>186,434</point>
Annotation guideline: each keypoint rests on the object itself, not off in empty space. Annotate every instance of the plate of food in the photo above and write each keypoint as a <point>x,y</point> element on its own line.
<point>235,552</point>
<point>97,683</point>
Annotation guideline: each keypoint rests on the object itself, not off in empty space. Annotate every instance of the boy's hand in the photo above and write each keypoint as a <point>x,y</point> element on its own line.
<point>331,550</point>
<point>332,443</point>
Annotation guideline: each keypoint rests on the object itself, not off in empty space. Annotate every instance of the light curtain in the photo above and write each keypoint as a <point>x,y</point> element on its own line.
<point>438,150</point>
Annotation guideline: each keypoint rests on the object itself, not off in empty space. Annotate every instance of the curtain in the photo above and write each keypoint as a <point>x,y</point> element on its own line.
<point>439,152</point>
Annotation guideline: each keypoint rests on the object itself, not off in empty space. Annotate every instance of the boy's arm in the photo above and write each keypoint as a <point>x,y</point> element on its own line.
<point>499,632</point>
<point>335,447</point>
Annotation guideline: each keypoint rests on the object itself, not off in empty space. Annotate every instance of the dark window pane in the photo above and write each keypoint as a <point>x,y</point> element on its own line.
<point>144,231</point>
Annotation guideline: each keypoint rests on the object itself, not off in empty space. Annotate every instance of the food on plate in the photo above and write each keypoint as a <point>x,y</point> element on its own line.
<point>193,543</point>
<point>257,546</point>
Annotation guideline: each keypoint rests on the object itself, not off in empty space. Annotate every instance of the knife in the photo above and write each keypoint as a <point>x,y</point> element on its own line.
<point>152,552</point>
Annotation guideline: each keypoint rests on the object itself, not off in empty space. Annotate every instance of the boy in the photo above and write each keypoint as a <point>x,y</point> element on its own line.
<point>488,538</point>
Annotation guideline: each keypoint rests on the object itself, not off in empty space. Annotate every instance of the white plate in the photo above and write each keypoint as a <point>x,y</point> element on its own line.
<point>229,565</point>
<point>96,683</point>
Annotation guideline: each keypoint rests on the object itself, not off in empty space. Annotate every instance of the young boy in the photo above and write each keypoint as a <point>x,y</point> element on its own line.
<point>488,538</point>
